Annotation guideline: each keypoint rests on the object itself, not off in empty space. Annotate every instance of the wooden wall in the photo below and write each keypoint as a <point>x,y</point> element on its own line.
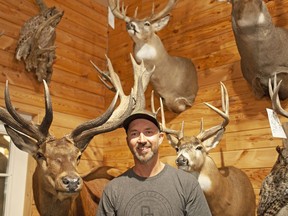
<point>76,91</point>
<point>201,30</point>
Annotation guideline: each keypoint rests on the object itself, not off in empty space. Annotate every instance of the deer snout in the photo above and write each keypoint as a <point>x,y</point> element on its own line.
<point>72,183</point>
<point>131,26</point>
<point>181,161</point>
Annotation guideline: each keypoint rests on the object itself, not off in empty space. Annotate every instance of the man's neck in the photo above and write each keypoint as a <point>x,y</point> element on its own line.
<point>148,169</point>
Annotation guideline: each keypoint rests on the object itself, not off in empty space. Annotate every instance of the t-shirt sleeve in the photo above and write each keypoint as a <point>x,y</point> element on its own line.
<point>105,207</point>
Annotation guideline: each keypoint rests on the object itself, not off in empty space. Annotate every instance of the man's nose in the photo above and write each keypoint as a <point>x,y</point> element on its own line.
<point>142,138</point>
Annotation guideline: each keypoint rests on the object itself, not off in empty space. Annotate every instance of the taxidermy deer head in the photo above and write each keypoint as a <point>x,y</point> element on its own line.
<point>174,78</point>
<point>228,190</point>
<point>36,42</point>
<point>262,46</point>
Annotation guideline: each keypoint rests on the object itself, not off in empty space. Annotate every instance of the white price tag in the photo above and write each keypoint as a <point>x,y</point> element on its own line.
<point>111,18</point>
<point>275,125</point>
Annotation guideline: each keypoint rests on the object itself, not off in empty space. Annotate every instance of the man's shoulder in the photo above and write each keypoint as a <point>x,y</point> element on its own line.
<point>182,173</point>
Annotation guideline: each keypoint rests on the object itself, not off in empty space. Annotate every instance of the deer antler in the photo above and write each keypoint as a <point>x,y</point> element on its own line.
<point>135,100</point>
<point>273,92</point>
<point>30,136</point>
<point>164,11</point>
<point>40,133</point>
<point>120,12</point>
<point>219,129</point>
<point>141,81</point>
<point>173,136</point>
<point>85,132</point>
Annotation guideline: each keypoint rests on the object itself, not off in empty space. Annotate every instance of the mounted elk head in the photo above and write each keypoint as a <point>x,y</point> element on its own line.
<point>273,193</point>
<point>262,46</point>
<point>36,42</point>
<point>174,78</point>
<point>228,190</point>
<point>56,182</point>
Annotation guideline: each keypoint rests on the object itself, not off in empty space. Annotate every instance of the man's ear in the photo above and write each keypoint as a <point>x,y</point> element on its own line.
<point>161,137</point>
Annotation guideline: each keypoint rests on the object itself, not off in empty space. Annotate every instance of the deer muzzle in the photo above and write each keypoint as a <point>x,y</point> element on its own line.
<point>181,161</point>
<point>71,183</point>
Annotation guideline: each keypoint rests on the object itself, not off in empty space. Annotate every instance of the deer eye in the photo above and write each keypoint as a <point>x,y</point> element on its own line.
<point>40,156</point>
<point>199,148</point>
<point>147,24</point>
<point>177,148</point>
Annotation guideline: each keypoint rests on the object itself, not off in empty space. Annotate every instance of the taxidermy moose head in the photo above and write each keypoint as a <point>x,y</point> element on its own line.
<point>228,190</point>
<point>174,78</point>
<point>273,193</point>
<point>56,182</point>
<point>262,46</point>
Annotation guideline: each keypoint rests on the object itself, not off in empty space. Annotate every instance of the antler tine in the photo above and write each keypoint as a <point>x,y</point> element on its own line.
<point>104,76</point>
<point>141,81</point>
<point>48,118</point>
<point>135,13</point>
<point>174,136</point>
<point>22,125</point>
<point>164,11</point>
<point>119,13</point>
<point>205,134</point>
<point>225,106</point>
<point>273,92</point>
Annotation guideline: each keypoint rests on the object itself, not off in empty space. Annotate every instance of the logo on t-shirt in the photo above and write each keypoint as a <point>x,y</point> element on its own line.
<point>148,203</point>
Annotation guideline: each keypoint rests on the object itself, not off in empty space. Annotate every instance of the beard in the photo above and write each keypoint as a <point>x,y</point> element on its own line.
<point>144,153</point>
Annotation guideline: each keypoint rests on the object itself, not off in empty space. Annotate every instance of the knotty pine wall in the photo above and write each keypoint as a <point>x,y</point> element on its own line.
<point>77,93</point>
<point>201,30</point>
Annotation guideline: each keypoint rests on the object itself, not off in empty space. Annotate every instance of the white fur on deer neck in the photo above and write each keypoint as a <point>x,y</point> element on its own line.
<point>205,182</point>
<point>261,18</point>
<point>147,52</point>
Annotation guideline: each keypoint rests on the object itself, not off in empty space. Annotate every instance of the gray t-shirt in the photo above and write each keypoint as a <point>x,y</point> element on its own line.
<point>172,192</point>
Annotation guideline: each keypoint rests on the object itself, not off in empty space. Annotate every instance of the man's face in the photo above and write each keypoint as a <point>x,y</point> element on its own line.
<point>143,139</point>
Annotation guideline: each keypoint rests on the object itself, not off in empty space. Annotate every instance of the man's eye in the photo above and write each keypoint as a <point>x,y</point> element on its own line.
<point>134,134</point>
<point>149,133</point>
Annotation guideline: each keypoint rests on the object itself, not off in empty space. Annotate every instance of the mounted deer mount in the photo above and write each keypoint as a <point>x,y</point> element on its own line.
<point>228,190</point>
<point>36,42</point>
<point>56,182</point>
<point>273,193</point>
<point>262,46</point>
<point>174,78</point>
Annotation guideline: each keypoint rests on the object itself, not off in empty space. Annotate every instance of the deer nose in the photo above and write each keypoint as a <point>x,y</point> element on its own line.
<point>71,183</point>
<point>130,26</point>
<point>181,161</point>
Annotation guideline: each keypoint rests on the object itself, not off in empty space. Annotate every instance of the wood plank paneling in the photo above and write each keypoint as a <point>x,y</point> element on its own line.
<point>200,30</point>
<point>77,93</point>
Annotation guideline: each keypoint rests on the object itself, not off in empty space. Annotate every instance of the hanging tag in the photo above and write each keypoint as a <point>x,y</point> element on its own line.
<point>275,125</point>
<point>111,18</point>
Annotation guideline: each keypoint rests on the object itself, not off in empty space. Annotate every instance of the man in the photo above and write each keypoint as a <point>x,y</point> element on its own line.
<point>150,187</point>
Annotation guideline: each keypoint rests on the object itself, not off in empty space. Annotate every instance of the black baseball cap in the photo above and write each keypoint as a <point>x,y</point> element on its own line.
<point>143,114</point>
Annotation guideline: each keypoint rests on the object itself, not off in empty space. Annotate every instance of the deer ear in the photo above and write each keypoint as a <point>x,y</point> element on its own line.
<point>214,140</point>
<point>22,142</point>
<point>173,141</point>
<point>161,23</point>
<point>83,143</point>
